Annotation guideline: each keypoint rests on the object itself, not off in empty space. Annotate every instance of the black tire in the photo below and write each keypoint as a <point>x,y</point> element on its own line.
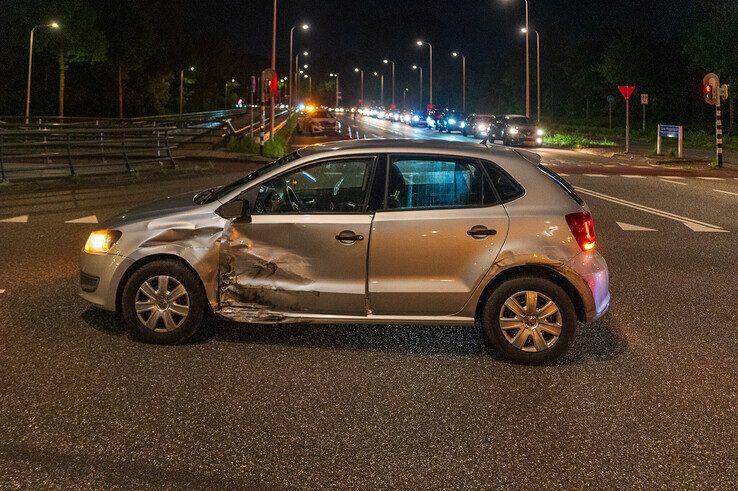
<point>197,302</point>
<point>494,334</point>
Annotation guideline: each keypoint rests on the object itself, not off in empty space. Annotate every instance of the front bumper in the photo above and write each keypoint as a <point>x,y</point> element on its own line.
<point>100,276</point>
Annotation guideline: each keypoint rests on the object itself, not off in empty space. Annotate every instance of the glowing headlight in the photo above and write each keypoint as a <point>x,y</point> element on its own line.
<point>452,121</point>
<point>100,241</point>
<point>429,120</point>
<point>483,128</point>
<point>539,132</point>
<point>463,124</point>
<point>416,118</point>
<point>513,131</point>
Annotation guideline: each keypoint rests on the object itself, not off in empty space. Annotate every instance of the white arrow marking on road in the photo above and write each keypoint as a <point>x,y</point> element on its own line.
<point>89,219</point>
<point>18,219</point>
<point>696,227</point>
<point>726,192</point>
<point>673,181</point>
<point>635,228</point>
<point>654,211</point>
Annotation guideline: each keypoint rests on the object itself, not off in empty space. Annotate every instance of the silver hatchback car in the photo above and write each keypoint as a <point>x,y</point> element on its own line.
<point>363,232</point>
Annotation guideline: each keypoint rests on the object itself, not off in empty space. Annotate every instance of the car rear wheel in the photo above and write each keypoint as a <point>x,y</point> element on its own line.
<point>163,302</point>
<point>529,320</point>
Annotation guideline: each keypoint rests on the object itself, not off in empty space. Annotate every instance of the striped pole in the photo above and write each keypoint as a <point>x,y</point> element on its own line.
<point>719,131</point>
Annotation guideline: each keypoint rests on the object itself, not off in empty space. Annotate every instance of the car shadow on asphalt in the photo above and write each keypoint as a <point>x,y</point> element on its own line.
<point>598,342</point>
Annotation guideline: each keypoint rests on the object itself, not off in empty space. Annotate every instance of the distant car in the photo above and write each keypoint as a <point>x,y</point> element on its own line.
<point>399,232</point>
<point>418,119</point>
<point>478,125</point>
<point>514,129</point>
<point>451,121</point>
<point>432,118</point>
<point>319,122</point>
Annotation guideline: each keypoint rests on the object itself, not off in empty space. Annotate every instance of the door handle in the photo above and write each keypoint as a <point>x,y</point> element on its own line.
<point>348,236</point>
<point>480,231</point>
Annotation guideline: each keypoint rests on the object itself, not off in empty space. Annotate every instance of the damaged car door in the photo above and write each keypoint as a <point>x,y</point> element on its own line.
<point>304,249</point>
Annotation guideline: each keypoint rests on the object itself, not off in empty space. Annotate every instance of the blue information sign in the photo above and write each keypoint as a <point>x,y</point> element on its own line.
<point>669,131</point>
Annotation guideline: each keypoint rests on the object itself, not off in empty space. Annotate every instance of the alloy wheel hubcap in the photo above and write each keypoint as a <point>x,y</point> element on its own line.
<point>530,321</point>
<point>162,303</point>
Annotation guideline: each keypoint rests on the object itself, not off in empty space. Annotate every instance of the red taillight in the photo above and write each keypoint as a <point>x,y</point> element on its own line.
<point>583,230</point>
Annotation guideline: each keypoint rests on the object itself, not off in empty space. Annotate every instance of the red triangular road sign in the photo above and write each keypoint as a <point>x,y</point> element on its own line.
<point>626,90</point>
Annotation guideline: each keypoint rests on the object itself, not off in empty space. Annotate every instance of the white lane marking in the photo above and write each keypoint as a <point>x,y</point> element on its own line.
<point>635,228</point>
<point>674,182</point>
<point>2,291</point>
<point>648,209</point>
<point>670,177</point>
<point>564,175</point>
<point>696,227</point>
<point>711,178</point>
<point>633,176</point>
<point>610,165</point>
<point>89,219</point>
<point>726,192</point>
<point>596,175</point>
<point>18,219</point>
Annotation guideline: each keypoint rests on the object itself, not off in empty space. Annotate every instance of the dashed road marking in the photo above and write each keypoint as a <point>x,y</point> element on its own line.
<point>2,291</point>
<point>563,175</point>
<point>673,182</point>
<point>670,177</point>
<point>89,219</point>
<point>711,178</point>
<point>18,219</point>
<point>695,225</point>
<point>633,176</point>
<point>726,192</point>
<point>596,175</point>
<point>635,228</point>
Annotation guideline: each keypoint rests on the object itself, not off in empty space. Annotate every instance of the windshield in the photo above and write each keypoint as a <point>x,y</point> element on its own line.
<point>218,193</point>
<point>320,114</point>
<point>517,120</point>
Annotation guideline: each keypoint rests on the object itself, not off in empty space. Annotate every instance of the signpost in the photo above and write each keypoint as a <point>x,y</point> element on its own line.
<point>253,91</point>
<point>268,77</point>
<point>627,91</point>
<point>644,103</point>
<point>670,131</point>
<point>610,101</point>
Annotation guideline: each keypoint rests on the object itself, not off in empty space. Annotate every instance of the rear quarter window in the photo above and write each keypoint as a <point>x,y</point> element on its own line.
<point>507,188</point>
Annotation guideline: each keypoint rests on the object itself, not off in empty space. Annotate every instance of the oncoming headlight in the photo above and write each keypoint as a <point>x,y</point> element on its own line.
<point>539,132</point>
<point>416,118</point>
<point>100,241</point>
<point>514,131</point>
<point>452,121</point>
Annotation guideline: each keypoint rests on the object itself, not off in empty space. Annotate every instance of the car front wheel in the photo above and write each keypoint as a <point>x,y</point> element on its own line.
<point>529,320</point>
<point>163,302</point>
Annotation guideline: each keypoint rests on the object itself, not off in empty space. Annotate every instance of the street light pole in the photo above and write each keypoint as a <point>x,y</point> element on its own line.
<point>335,75</point>
<point>53,25</point>
<point>381,93</point>
<point>274,67</point>
<point>359,70</point>
<point>463,79</point>
<point>538,70</point>
<point>304,27</point>
<point>527,65</point>
<point>181,88</point>
<point>420,86</point>
<point>298,72</point>
<point>393,79</point>
<point>430,75</point>
<point>404,98</point>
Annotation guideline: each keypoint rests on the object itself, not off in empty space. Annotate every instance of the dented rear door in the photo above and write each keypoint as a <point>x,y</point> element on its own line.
<point>305,249</point>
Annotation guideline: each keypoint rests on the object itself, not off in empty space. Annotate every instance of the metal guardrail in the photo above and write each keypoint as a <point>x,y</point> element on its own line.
<point>68,152</point>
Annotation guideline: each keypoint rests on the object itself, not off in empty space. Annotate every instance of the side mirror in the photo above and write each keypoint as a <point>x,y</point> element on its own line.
<point>235,210</point>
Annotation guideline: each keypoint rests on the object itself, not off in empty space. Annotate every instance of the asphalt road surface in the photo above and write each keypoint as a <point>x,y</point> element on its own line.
<point>646,399</point>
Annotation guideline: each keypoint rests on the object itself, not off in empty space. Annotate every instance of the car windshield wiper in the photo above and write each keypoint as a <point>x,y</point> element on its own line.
<point>203,196</point>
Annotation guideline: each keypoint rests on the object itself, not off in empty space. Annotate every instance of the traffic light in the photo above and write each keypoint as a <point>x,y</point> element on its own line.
<point>711,88</point>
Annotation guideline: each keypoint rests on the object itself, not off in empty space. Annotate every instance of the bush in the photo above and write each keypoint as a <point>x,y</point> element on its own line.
<point>276,147</point>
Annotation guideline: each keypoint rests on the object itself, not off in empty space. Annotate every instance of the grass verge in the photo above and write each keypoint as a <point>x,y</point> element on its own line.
<point>275,148</point>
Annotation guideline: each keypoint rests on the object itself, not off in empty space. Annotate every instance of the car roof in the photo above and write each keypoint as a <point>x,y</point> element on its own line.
<point>420,146</point>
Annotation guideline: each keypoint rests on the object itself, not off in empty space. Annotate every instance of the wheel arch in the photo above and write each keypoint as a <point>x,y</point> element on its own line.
<point>540,272</point>
<point>148,260</point>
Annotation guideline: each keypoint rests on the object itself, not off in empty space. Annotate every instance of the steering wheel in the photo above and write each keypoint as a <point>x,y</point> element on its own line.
<point>296,203</point>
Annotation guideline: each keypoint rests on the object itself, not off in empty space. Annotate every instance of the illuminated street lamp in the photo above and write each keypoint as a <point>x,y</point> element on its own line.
<point>404,98</point>
<point>386,62</point>
<point>335,75</point>
<point>381,90</point>
<point>310,86</point>
<point>538,72</point>
<point>181,88</point>
<point>527,63</point>
<point>297,75</point>
<point>430,75</point>
<point>53,25</point>
<point>420,90</point>
<point>304,27</point>
<point>463,79</point>
<point>359,70</point>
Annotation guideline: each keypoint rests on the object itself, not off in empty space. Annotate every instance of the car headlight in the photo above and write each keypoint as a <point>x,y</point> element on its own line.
<point>429,120</point>
<point>539,132</point>
<point>452,121</point>
<point>416,118</point>
<point>462,124</point>
<point>513,131</point>
<point>100,241</point>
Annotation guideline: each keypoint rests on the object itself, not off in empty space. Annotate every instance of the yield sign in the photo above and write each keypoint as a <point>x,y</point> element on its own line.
<point>626,90</point>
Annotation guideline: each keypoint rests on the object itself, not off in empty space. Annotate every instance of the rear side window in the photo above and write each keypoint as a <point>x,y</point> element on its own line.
<point>562,182</point>
<point>505,185</point>
<point>420,183</point>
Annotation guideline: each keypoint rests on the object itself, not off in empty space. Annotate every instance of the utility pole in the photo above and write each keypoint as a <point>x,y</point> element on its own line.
<point>274,67</point>
<point>393,79</point>
<point>53,25</point>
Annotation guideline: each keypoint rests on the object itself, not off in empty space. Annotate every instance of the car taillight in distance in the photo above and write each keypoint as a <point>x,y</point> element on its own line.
<point>582,228</point>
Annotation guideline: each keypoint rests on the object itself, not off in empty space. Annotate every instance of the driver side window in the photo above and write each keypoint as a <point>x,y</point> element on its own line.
<point>336,186</point>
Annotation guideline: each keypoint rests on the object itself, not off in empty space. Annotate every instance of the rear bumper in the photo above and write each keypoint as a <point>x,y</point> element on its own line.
<point>595,288</point>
